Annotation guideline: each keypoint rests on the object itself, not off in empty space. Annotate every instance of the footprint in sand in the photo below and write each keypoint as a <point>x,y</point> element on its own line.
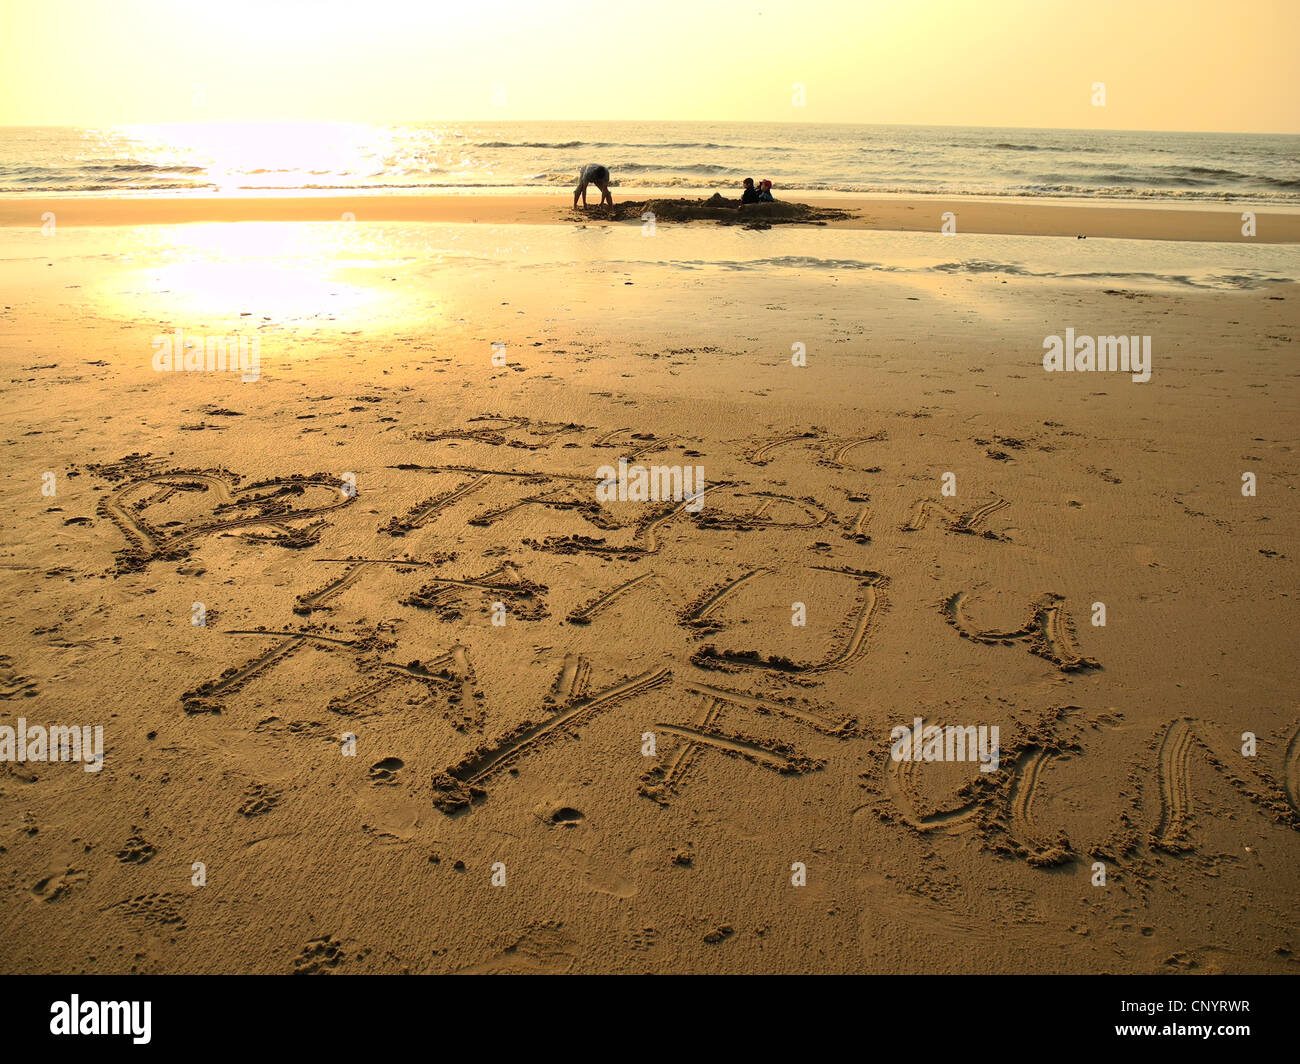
<point>11,684</point>
<point>258,800</point>
<point>544,949</point>
<point>136,850</point>
<point>565,817</point>
<point>54,887</point>
<point>384,773</point>
<point>155,912</point>
<point>319,957</point>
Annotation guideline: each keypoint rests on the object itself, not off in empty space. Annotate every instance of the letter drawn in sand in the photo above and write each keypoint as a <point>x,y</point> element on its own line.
<point>463,783</point>
<point>1048,631</point>
<point>662,781</point>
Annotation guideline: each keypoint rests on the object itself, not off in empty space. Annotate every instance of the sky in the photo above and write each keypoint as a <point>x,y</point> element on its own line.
<point>1220,65</point>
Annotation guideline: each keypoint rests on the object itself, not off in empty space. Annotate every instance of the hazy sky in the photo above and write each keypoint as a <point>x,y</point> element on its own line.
<point>1225,65</point>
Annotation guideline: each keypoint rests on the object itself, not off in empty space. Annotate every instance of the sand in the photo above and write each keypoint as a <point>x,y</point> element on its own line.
<point>633,770</point>
<point>970,215</point>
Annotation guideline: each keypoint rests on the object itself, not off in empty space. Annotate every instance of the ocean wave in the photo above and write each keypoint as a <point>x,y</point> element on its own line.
<point>666,145</point>
<point>1284,193</point>
<point>533,144</point>
<point>139,168</point>
<point>388,186</point>
<point>162,186</point>
<point>683,168</point>
<point>1077,150</point>
<point>99,169</point>
<point>1151,190</point>
<point>1217,173</point>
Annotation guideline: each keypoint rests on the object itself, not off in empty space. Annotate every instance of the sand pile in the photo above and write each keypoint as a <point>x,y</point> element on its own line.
<point>719,209</point>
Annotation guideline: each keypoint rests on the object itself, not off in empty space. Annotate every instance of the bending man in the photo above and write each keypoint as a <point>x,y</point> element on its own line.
<point>593,174</point>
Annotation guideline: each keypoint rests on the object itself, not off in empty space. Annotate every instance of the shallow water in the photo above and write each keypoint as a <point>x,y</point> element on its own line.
<point>341,271</point>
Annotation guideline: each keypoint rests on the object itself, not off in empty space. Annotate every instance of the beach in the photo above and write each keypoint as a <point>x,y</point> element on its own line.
<point>898,213</point>
<point>385,686</point>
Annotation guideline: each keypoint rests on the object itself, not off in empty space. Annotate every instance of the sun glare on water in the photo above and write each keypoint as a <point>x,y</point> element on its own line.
<point>254,158</point>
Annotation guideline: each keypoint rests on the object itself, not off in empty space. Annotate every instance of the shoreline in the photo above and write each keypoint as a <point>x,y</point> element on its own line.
<point>985,217</point>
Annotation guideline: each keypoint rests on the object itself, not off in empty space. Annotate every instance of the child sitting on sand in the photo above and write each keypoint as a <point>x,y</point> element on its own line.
<point>750,194</point>
<point>765,191</point>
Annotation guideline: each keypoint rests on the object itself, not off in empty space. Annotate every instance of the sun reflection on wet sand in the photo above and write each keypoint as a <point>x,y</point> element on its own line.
<point>287,273</point>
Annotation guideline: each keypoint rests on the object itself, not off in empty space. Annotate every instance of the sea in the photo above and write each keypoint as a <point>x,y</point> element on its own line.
<point>693,157</point>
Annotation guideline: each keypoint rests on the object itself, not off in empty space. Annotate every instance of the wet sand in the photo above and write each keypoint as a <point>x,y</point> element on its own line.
<point>979,216</point>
